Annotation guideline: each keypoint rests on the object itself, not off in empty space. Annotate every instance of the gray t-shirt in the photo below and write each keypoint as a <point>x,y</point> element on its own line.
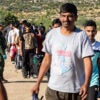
<point>67,67</point>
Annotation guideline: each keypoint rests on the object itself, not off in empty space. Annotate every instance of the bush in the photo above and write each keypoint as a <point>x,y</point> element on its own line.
<point>10,18</point>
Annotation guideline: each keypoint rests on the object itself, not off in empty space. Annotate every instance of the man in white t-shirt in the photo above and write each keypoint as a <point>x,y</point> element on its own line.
<point>14,32</point>
<point>12,38</point>
<point>67,53</point>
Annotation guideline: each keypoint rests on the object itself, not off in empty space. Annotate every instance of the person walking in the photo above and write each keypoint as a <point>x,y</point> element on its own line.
<point>91,30</point>
<point>67,53</point>
<point>28,40</point>
<point>12,37</point>
<point>3,56</point>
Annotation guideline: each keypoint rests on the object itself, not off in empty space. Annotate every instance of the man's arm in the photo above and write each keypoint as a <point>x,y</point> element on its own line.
<point>88,72</point>
<point>3,94</point>
<point>8,39</point>
<point>99,69</point>
<point>43,69</point>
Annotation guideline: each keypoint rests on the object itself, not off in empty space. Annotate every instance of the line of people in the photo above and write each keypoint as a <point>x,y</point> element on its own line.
<point>71,54</point>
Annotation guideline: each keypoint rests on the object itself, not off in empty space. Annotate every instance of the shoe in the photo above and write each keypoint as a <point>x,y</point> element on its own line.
<point>13,62</point>
<point>24,76</point>
<point>24,73</point>
<point>35,76</point>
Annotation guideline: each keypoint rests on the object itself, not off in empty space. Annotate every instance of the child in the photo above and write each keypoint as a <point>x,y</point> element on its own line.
<point>91,30</point>
<point>2,55</point>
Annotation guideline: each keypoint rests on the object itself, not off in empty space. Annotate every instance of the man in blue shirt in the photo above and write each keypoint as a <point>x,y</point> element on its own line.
<point>91,30</point>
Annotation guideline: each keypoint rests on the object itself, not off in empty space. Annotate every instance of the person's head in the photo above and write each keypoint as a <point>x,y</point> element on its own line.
<point>90,29</point>
<point>56,23</point>
<point>68,14</point>
<point>27,27</point>
<point>41,29</point>
<point>1,27</point>
<point>12,25</point>
<point>24,22</point>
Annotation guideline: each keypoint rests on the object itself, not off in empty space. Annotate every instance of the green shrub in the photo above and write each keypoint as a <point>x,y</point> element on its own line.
<point>10,18</point>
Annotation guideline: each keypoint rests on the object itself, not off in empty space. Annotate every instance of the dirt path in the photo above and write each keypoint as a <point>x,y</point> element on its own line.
<point>19,88</point>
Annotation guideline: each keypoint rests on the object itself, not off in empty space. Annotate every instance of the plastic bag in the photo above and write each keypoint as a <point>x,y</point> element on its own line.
<point>13,51</point>
<point>35,97</point>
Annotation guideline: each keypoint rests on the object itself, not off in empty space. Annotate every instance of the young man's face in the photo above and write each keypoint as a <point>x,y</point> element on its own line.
<point>11,26</point>
<point>67,19</point>
<point>91,32</point>
<point>27,29</point>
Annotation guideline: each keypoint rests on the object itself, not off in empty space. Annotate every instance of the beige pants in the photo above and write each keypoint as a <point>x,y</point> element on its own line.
<point>56,95</point>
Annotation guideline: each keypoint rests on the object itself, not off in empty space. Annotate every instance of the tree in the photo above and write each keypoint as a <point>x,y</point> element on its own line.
<point>10,18</point>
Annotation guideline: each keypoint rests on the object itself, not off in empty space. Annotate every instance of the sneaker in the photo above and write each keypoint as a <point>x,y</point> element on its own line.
<point>24,76</point>
<point>35,76</point>
<point>13,62</point>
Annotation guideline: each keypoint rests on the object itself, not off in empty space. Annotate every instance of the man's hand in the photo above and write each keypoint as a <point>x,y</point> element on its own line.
<point>83,92</point>
<point>35,89</point>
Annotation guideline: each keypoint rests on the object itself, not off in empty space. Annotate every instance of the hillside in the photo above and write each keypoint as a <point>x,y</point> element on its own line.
<point>45,10</point>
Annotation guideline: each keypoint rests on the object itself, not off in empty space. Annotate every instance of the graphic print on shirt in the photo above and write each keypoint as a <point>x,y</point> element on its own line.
<point>62,57</point>
<point>28,41</point>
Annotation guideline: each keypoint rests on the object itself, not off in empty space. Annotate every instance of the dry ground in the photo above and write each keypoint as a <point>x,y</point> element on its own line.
<point>19,88</point>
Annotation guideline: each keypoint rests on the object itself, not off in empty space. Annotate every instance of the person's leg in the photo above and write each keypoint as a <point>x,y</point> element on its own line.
<point>24,67</point>
<point>28,62</point>
<point>56,95</point>
<point>51,94</point>
<point>92,93</point>
<point>30,68</point>
<point>2,64</point>
<point>73,96</point>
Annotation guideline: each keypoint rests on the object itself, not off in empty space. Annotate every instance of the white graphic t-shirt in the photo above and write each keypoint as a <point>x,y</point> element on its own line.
<point>67,68</point>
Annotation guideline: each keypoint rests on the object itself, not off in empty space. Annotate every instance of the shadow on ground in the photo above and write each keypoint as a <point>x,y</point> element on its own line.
<point>44,81</point>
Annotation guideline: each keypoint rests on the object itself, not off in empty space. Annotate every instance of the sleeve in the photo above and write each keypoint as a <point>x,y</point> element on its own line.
<point>47,44</point>
<point>9,38</point>
<point>17,32</point>
<point>86,47</point>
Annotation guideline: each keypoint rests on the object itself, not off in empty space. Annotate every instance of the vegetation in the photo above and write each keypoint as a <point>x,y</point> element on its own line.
<point>48,10</point>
